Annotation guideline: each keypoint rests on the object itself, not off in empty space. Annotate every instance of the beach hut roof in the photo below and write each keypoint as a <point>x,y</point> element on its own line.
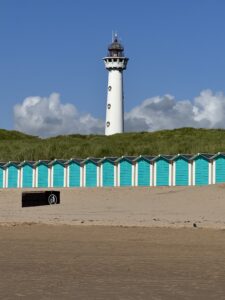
<point>2,164</point>
<point>146,157</point>
<point>166,157</point>
<point>60,161</point>
<point>218,154</point>
<point>12,163</point>
<point>207,156</point>
<point>111,159</point>
<point>185,156</point>
<point>27,162</point>
<point>76,160</point>
<point>44,162</point>
<point>95,160</point>
<point>129,158</point>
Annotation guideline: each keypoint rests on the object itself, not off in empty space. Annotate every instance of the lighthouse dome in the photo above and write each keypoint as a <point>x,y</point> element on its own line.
<point>115,48</point>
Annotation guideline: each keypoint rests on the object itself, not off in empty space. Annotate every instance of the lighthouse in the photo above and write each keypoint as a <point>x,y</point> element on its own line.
<point>115,63</point>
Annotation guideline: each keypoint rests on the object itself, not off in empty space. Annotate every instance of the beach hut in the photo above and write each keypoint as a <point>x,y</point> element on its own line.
<point>58,173</point>
<point>74,172</point>
<point>27,174</point>
<point>202,168</point>
<point>12,174</point>
<point>2,175</point>
<point>162,170</point>
<point>218,167</point>
<point>91,172</point>
<point>108,171</point>
<point>42,179</point>
<point>143,174</point>
<point>126,170</point>
<point>182,169</point>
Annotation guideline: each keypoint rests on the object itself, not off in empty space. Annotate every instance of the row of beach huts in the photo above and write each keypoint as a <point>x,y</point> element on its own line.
<point>161,170</point>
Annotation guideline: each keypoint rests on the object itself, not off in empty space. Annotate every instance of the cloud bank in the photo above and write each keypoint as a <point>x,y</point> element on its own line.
<point>206,111</point>
<point>47,116</point>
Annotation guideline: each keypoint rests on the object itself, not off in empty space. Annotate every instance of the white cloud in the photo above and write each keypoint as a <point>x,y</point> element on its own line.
<point>47,116</point>
<point>206,111</point>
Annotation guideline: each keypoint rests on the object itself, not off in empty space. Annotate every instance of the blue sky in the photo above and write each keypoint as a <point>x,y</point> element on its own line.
<point>175,47</point>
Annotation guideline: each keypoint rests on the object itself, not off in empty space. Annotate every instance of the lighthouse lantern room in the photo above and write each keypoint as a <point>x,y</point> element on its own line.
<point>115,63</point>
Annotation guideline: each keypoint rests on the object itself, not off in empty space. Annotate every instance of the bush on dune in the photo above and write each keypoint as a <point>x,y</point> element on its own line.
<point>18,146</point>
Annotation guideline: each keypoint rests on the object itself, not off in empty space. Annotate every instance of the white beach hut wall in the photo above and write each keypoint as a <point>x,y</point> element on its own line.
<point>144,170</point>
<point>125,170</point>
<point>74,173</point>
<point>182,168</point>
<point>91,172</point>
<point>42,174</point>
<point>2,175</point>
<point>218,168</point>
<point>108,167</point>
<point>163,170</point>
<point>202,169</point>
<point>27,174</point>
<point>12,174</point>
<point>58,173</point>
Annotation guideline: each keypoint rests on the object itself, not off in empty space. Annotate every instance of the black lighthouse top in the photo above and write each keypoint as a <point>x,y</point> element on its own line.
<point>115,49</point>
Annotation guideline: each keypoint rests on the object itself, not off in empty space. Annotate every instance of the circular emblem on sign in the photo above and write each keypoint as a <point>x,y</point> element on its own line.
<point>52,199</point>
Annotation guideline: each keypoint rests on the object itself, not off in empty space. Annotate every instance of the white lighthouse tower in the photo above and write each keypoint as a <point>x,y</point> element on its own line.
<point>115,63</point>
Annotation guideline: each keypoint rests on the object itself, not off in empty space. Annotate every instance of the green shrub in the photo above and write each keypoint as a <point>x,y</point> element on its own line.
<point>18,146</point>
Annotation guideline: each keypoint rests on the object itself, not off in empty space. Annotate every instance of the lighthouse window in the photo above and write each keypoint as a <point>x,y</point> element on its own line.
<point>109,88</point>
<point>109,106</point>
<point>108,124</point>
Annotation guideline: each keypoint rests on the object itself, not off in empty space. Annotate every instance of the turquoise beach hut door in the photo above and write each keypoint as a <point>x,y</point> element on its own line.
<point>107,173</point>
<point>13,173</point>
<point>42,175</point>
<point>201,171</point>
<point>219,169</point>
<point>58,175</point>
<point>27,176</point>
<point>91,174</point>
<point>181,171</point>
<point>125,172</point>
<point>1,177</point>
<point>143,172</point>
<point>74,174</point>
<point>162,172</point>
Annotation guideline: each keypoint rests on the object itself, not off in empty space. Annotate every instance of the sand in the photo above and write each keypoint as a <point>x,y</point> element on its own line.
<point>141,243</point>
<point>104,262</point>
<point>148,207</point>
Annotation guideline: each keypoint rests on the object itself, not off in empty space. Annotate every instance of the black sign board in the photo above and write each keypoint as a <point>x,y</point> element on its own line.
<point>39,198</point>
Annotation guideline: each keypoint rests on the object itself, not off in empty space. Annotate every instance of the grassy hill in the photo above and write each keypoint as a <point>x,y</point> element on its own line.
<point>18,146</point>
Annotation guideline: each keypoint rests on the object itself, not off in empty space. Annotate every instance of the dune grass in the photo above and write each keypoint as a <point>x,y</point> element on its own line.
<point>18,146</point>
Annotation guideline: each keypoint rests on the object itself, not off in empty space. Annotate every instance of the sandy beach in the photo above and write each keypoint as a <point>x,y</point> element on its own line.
<point>104,262</point>
<point>157,207</point>
<point>140,243</point>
